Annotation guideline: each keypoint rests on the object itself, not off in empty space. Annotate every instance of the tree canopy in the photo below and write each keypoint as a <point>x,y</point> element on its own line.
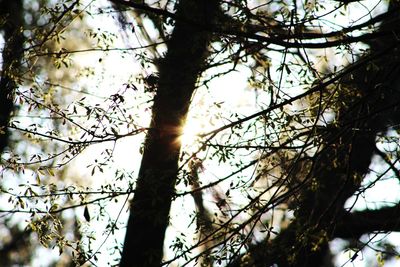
<point>199,133</point>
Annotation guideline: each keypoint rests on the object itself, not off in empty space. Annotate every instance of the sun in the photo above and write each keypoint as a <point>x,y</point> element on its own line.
<point>199,121</point>
<point>191,131</point>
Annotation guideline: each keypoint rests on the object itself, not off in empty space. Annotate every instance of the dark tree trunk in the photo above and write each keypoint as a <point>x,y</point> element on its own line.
<point>178,73</point>
<point>12,14</point>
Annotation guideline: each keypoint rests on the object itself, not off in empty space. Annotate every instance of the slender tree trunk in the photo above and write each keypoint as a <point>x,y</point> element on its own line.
<point>12,14</point>
<point>178,71</point>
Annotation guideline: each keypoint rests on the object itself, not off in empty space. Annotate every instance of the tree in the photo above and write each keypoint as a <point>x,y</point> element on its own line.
<point>11,25</point>
<point>187,49</point>
<point>367,112</point>
<point>292,163</point>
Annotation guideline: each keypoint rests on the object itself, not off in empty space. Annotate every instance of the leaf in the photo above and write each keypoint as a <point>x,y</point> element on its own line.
<point>114,131</point>
<point>86,214</point>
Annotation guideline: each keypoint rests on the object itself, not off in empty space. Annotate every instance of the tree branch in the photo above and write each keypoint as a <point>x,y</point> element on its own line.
<point>147,8</point>
<point>354,225</point>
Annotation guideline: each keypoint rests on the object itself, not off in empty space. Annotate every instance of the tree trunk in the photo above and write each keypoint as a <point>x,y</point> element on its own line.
<point>178,73</point>
<point>12,14</point>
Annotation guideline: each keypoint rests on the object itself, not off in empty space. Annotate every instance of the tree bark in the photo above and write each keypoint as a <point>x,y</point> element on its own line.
<point>178,73</point>
<point>12,13</point>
